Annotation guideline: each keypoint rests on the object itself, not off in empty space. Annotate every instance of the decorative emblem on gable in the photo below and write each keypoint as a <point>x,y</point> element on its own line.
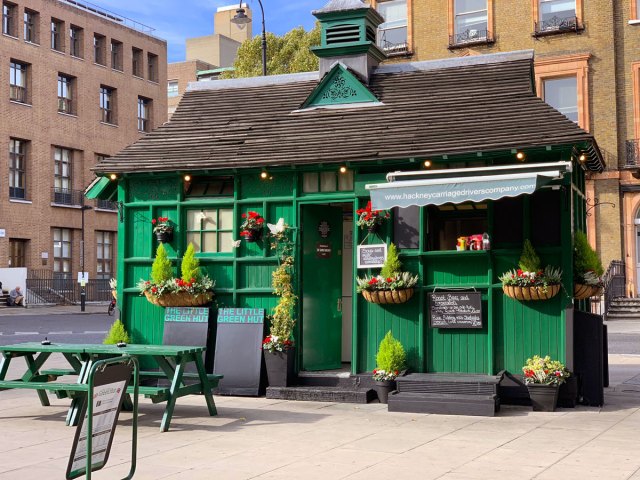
<point>339,89</point>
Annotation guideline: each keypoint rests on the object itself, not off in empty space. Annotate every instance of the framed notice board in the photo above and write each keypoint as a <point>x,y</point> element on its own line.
<point>372,256</point>
<point>238,356</point>
<point>455,309</point>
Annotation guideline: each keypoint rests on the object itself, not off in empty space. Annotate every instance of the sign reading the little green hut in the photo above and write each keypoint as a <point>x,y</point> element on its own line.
<point>372,256</point>
<point>455,309</point>
<point>238,355</point>
<point>186,314</point>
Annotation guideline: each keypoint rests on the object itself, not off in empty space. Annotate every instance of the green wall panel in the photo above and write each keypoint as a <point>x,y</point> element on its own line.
<point>257,301</point>
<point>467,269</point>
<point>159,189</point>
<point>139,230</point>
<point>144,321</point>
<point>135,273</point>
<point>255,275</point>
<point>280,185</point>
<point>222,273</point>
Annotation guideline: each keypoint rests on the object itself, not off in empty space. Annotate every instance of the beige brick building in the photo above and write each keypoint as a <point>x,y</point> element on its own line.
<point>76,83</point>
<point>587,66</point>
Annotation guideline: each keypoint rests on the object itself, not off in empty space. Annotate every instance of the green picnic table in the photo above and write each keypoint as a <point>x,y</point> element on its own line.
<point>172,361</point>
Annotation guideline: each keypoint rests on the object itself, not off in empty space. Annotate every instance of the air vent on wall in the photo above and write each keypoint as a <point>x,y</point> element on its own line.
<point>343,34</point>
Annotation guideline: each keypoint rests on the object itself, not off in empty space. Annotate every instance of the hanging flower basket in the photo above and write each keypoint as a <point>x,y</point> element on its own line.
<point>582,291</point>
<point>388,296</point>
<point>179,299</point>
<point>531,293</point>
<point>164,236</point>
<point>251,236</point>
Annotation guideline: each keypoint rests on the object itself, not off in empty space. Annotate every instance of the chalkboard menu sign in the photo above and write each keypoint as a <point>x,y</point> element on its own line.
<point>372,256</point>
<point>187,326</point>
<point>238,357</point>
<point>455,309</point>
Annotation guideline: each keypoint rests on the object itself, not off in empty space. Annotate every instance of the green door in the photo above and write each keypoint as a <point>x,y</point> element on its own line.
<point>321,287</point>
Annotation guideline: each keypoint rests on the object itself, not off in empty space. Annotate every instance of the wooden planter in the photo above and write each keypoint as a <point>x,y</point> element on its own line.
<point>181,299</point>
<point>582,291</point>
<point>388,296</point>
<point>530,293</point>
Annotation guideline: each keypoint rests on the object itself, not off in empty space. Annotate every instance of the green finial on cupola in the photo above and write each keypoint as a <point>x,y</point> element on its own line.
<point>349,35</point>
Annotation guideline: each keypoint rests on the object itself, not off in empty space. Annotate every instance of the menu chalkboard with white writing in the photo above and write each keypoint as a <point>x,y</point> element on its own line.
<point>372,256</point>
<point>454,309</point>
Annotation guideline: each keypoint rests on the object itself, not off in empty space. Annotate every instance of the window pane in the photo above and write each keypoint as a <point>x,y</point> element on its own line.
<point>193,219</point>
<point>226,242</point>
<point>463,6</point>
<point>471,21</point>
<point>310,182</point>
<point>225,217</point>
<point>328,182</point>
<point>406,227</point>
<point>394,10</point>
<point>557,8</point>
<point>345,181</point>
<point>210,242</point>
<point>195,239</point>
<point>209,222</point>
<point>562,94</point>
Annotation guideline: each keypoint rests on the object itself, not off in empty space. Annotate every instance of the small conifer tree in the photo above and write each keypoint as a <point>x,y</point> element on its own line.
<point>161,270</point>
<point>117,334</point>
<point>391,356</point>
<point>392,265</point>
<point>190,265</point>
<point>585,258</point>
<point>529,260</point>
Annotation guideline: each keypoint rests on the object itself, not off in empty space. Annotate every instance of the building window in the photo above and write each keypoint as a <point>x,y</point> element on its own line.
<point>635,10</point>
<point>104,254</point>
<point>9,12</point>
<point>57,27</point>
<point>99,49</point>
<point>62,252</point>
<point>313,182</point>
<point>144,109</point>
<point>18,82</point>
<point>62,159</point>
<point>209,187</point>
<point>406,227</point>
<point>556,16</point>
<point>65,94</point>
<point>17,168</point>
<point>211,230</point>
<point>172,89</point>
<point>75,41</point>
<point>107,104</point>
<point>470,21</point>
<point>137,66</point>
<point>563,83</point>
<point>17,253</point>
<point>152,63</point>
<point>393,33</point>
<point>116,55</point>
<point>31,19</point>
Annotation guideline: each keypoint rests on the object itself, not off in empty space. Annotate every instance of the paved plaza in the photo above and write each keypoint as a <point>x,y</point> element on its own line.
<point>274,439</point>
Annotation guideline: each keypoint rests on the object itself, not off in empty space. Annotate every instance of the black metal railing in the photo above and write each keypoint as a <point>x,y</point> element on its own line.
<point>106,205</point>
<point>633,153</point>
<point>50,288</point>
<point>470,37</point>
<point>65,196</point>
<point>614,281</point>
<point>557,25</point>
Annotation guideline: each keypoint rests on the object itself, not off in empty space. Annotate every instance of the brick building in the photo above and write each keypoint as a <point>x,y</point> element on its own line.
<point>587,66</point>
<point>76,84</point>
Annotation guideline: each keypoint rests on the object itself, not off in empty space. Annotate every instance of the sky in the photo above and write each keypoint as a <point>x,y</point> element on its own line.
<point>176,20</point>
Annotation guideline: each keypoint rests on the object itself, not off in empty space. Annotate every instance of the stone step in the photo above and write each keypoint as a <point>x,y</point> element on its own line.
<point>322,394</point>
<point>623,316</point>
<point>450,384</point>
<point>633,302</point>
<point>341,379</point>
<point>444,404</point>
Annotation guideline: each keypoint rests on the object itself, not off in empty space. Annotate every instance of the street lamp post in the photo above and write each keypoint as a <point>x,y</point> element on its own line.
<point>83,292</point>
<point>241,20</point>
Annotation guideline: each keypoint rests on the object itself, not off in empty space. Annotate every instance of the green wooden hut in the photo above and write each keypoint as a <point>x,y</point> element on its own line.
<point>487,154</point>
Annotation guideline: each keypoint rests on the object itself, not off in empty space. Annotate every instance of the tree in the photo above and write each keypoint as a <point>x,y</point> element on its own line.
<point>289,53</point>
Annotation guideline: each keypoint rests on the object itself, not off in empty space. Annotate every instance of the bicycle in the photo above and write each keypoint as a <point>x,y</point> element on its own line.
<point>112,304</point>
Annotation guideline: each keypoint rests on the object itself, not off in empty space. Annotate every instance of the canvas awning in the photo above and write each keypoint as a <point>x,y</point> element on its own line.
<point>463,185</point>
<point>101,188</point>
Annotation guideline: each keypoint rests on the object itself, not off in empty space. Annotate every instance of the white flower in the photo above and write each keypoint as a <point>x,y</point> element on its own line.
<point>277,228</point>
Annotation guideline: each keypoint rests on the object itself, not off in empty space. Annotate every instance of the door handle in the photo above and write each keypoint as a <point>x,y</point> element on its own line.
<point>339,305</point>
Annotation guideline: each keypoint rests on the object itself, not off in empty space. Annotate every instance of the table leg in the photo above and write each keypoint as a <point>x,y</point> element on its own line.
<point>206,386</point>
<point>73,414</point>
<point>171,401</point>
<point>4,366</point>
<point>33,366</point>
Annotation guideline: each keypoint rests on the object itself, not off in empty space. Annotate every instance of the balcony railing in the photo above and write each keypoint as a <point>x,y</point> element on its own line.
<point>633,154</point>
<point>470,37</point>
<point>557,25</point>
<point>65,105</point>
<point>18,93</point>
<point>106,205</point>
<point>64,196</point>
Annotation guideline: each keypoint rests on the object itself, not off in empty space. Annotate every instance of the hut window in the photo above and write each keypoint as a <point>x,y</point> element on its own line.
<point>211,230</point>
<point>507,223</point>
<point>406,227</point>
<point>448,222</point>
<point>209,187</point>
<point>314,182</point>
<point>546,208</point>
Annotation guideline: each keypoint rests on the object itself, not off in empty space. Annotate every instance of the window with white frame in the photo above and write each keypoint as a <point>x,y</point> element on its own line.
<point>556,14</point>
<point>75,41</point>
<point>62,252</point>
<point>144,108</point>
<point>9,12</point>
<point>18,82</point>
<point>210,230</point>
<point>65,94</point>
<point>172,89</point>
<point>393,33</point>
<point>57,27</point>
<point>62,158</point>
<point>562,94</point>
<point>17,168</point>
<point>31,18</point>
<point>107,104</point>
<point>470,20</point>
<point>104,254</point>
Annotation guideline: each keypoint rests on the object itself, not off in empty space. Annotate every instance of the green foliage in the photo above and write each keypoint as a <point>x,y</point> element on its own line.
<point>289,53</point>
<point>392,266</point>
<point>529,260</point>
<point>585,258</point>
<point>190,265</point>
<point>391,356</point>
<point>161,270</point>
<point>117,334</point>
<point>282,321</point>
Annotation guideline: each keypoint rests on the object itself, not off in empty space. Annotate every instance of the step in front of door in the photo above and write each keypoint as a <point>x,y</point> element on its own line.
<point>322,394</point>
<point>444,404</point>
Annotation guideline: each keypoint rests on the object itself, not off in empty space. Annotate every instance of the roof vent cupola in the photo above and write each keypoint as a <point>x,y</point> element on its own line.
<point>349,36</point>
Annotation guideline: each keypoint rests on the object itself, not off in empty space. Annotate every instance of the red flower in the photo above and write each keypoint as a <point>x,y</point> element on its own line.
<point>154,289</point>
<point>396,372</point>
<point>375,371</point>
<point>260,220</point>
<point>244,215</point>
<point>389,280</point>
<point>193,280</point>
<point>373,281</point>
<point>253,214</point>
<point>153,221</point>
<point>147,282</point>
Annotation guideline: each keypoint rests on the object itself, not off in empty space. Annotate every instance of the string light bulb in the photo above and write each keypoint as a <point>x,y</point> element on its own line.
<point>427,163</point>
<point>264,175</point>
<point>187,178</point>
<point>113,176</point>
<point>520,155</point>
<point>582,158</point>
<point>343,169</point>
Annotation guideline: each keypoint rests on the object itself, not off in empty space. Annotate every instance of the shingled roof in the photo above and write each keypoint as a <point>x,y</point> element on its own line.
<point>472,104</point>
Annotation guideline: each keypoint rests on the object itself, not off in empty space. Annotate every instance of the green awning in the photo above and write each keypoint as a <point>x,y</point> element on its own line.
<point>101,188</point>
<point>463,185</point>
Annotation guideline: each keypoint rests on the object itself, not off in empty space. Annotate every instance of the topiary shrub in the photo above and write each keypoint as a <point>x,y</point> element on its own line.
<point>190,265</point>
<point>391,357</point>
<point>586,262</point>
<point>392,266</point>
<point>161,270</point>
<point>529,260</point>
<point>117,334</point>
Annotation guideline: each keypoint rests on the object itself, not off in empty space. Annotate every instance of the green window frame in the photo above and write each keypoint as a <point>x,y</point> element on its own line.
<point>327,181</point>
<point>210,229</point>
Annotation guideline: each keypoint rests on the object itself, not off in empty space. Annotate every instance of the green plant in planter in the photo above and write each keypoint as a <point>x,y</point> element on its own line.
<point>390,360</point>
<point>392,265</point>
<point>391,276</point>
<point>161,270</point>
<point>529,259</point>
<point>190,267</point>
<point>117,333</point>
<point>587,267</point>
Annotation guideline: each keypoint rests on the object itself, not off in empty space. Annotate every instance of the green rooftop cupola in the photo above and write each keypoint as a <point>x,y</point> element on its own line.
<point>349,36</point>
